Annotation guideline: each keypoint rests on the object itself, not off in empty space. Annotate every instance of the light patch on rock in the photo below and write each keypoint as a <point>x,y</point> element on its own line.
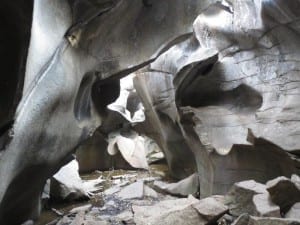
<point>66,184</point>
<point>185,187</point>
<point>294,212</point>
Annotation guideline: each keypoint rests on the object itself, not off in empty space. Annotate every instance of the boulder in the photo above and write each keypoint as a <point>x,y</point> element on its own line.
<point>179,211</point>
<point>240,197</point>
<point>83,208</point>
<point>211,208</point>
<point>264,207</point>
<point>185,187</point>
<point>284,193</point>
<point>294,212</point>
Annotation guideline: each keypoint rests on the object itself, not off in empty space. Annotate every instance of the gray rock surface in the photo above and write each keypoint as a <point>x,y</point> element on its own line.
<point>63,95</point>
<point>219,81</point>
<point>273,221</point>
<point>211,208</point>
<point>221,87</point>
<point>240,197</point>
<point>168,212</point>
<point>185,187</point>
<point>132,191</point>
<point>294,212</point>
<point>264,207</point>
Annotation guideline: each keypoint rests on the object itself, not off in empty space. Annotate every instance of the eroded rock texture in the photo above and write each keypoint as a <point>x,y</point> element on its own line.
<point>232,90</point>
<point>77,48</point>
<point>219,82</point>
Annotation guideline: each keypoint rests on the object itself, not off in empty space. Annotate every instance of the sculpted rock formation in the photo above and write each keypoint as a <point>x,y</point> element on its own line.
<point>73,56</point>
<point>219,82</point>
<point>231,90</point>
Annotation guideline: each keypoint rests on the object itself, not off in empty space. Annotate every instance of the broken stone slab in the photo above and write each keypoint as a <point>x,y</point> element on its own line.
<point>239,198</point>
<point>211,208</point>
<point>132,191</point>
<point>284,193</point>
<point>136,190</point>
<point>95,222</point>
<point>79,219</point>
<point>126,217</point>
<point>185,187</point>
<point>294,212</point>
<point>272,221</point>
<point>83,208</point>
<point>246,219</point>
<point>179,211</point>
<point>149,192</point>
<point>264,207</point>
<point>112,190</point>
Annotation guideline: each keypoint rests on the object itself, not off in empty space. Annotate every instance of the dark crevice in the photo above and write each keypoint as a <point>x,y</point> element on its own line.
<point>242,97</point>
<point>105,92</point>
<point>15,20</point>
<point>82,108</point>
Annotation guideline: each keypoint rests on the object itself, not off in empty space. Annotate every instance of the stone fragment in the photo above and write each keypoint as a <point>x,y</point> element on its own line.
<point>264,206</point>
<point>168,212</point>
<point>125,217</point>
<point>284,193</point>
<point>272,221</point>
<point>211,208</point>
<point>294,212</point>
<point>112,190</point>
<point>79,219</point>
<point>95,222</point>
<point>239,198</point>
<point>64,220</point>
<point>245,219</point>
<point>149,192</point>
<point>132,191</point>
<point>185,187</point>
<point>84,208</point>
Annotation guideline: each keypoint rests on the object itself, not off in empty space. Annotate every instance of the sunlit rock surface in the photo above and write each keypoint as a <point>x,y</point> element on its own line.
<point>231,89</point>
<point>218,81</point>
